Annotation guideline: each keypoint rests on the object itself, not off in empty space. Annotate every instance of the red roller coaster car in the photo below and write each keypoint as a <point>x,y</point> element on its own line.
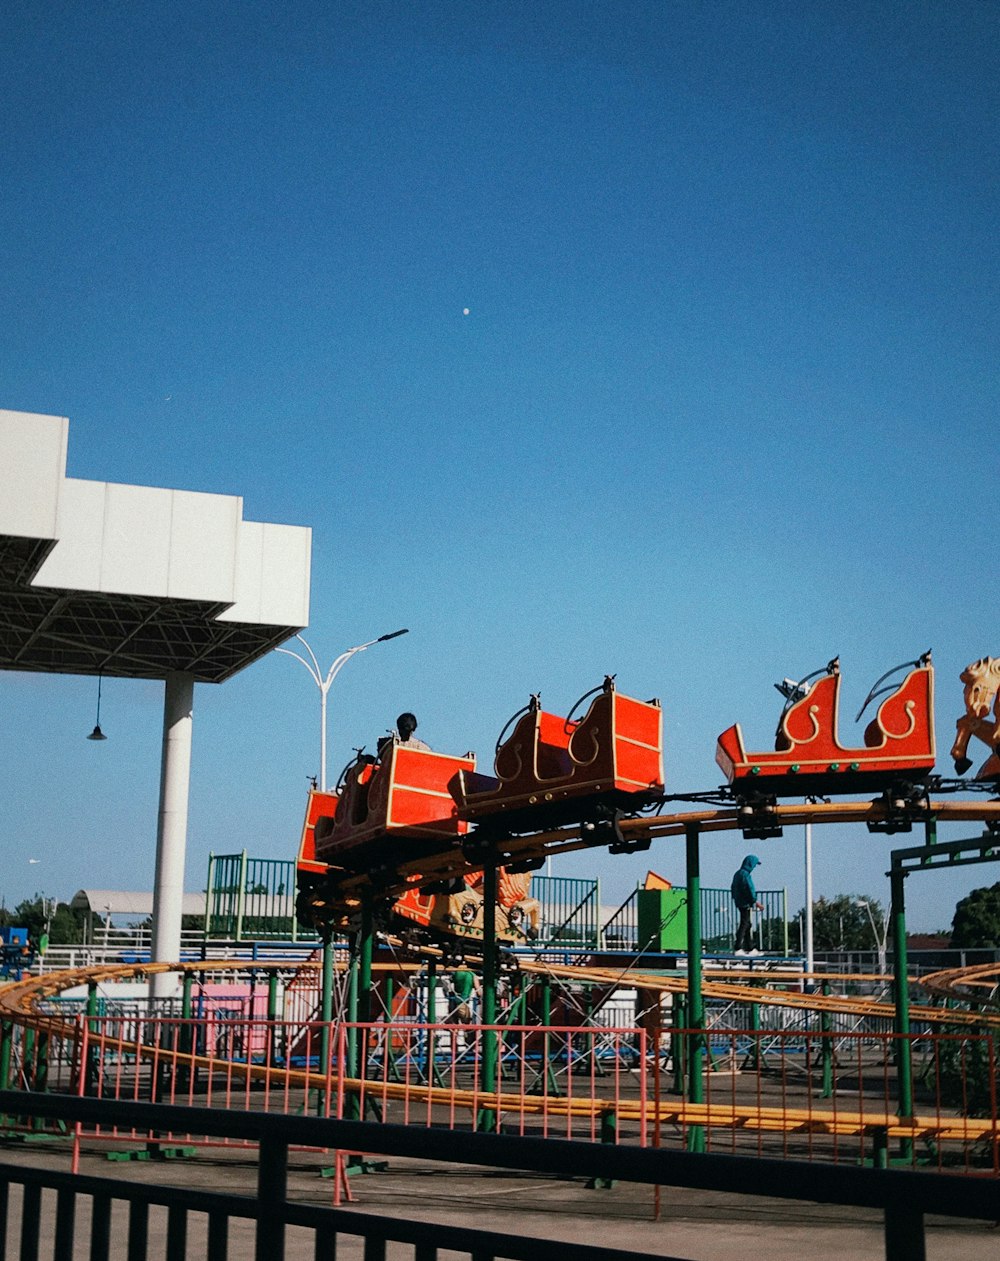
<point>808,757</point>
<point>551,770</point>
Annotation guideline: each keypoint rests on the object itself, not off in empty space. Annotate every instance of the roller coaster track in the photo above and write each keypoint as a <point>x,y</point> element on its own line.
<point>452,861</point>
<point>22,1002</point>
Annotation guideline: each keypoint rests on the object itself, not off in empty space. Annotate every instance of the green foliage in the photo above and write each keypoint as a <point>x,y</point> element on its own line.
<point>65,928</point>
<point>840,923</point>
<point>965,1070</point>
<point>976,922</point>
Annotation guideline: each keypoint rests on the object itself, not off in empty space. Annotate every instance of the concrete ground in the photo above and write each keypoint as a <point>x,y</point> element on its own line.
<point>693,1225</point>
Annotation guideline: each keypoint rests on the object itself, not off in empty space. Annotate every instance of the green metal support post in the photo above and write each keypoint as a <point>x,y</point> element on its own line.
<point>326,1021</point>
<point>487,1118</point>
<point>366,940</point>
<point>90,1069</point>
<point>904,1057</point>
<point>430,1068</point>
<point>550,1073</point>
<point>6,1053</point>
<point>185,1073</point>
<point>272,1017</point>
<point>826,1047</point>
<point>678,1043</point>
<point>696,1004</point>
<point>352,1110</point>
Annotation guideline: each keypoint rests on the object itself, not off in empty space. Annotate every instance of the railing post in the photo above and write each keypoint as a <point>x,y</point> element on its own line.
<point>904,1233</point>
<point>272,1188</point>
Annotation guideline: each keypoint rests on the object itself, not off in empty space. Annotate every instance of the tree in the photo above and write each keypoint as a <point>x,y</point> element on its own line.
<point>839,923</point>
<point>976,922</point>
<point>65,927</point>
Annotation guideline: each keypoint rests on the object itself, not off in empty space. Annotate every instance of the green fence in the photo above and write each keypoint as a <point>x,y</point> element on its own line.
<point>719,919</point>
<point>571,910</point>
<point>252,899</point>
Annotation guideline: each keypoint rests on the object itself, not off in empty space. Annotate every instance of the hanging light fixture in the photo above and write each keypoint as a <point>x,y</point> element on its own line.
<point>97,733</point>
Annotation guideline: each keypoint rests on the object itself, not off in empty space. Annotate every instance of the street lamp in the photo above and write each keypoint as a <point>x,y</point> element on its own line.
<point>324,682</point>
<point>880,938</point>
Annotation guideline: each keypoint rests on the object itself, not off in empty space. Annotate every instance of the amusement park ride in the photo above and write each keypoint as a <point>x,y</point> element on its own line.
<point>415,833</point>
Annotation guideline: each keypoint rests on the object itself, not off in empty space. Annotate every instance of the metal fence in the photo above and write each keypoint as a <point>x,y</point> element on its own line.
<point>820,1094</point>
<point>119,1211</point>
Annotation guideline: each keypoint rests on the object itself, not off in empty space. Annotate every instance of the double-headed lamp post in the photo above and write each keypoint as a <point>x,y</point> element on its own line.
<point>880,938</point>
<point>324,682</point>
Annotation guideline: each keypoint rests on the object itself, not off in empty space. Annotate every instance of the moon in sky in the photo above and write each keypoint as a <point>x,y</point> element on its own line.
<point>465,310</point>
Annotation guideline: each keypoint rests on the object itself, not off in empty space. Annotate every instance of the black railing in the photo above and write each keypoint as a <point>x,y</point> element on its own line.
<point>903,1196</point>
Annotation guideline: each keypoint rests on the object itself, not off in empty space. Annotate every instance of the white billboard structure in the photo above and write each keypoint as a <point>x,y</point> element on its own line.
<point>139,582</point>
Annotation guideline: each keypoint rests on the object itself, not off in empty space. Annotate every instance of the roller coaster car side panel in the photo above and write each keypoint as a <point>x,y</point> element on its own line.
<point>615,752</point>
<point>808,756</point>
<point>403,796</point>
<point>459,914</point>
<point>320,805</point>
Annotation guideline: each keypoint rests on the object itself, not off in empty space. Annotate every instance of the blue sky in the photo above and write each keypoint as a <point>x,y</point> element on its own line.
<point>719,410</point>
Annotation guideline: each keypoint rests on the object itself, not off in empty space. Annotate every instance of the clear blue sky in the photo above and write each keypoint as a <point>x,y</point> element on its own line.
<point>719,411</point>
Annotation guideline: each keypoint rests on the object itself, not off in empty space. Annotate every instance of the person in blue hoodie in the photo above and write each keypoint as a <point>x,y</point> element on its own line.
<point>745,897</point>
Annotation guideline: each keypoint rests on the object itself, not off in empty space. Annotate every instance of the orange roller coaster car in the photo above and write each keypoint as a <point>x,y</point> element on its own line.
<point>403,795</point>
<point>808,757</point>
<point>553,770</point>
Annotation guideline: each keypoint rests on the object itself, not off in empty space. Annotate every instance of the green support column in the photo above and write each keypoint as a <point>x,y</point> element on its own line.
<point>6,1053</point>
<point>353,1100</point>
<point>186,1040</point>
<point>41,1081</point>
<point>904,1058</point>
<point>754,1058</point>
<point>209,899</point>
<point>326,1021</point>
<point>430,1067</point>
<point>366,940</point>
<point>272,1017</point>
<point>696,1005</point>
<point>826,1047</point>
<point>90,1069</point>
<point>390,1053</point>
<point>545,1080</point>
<point>241,896</point>
<point>678,1043</point>
<point>487,1118</point>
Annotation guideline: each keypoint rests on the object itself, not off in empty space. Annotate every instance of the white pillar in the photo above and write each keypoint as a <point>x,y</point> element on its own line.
<point>171,835</point>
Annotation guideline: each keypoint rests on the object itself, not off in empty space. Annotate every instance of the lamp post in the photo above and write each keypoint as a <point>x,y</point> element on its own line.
<point>880,938</point>
<point>324,682</point>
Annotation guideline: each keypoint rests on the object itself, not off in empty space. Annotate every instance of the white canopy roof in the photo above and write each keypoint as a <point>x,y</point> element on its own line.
<point>117,902</point>
<point>134,581</point>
